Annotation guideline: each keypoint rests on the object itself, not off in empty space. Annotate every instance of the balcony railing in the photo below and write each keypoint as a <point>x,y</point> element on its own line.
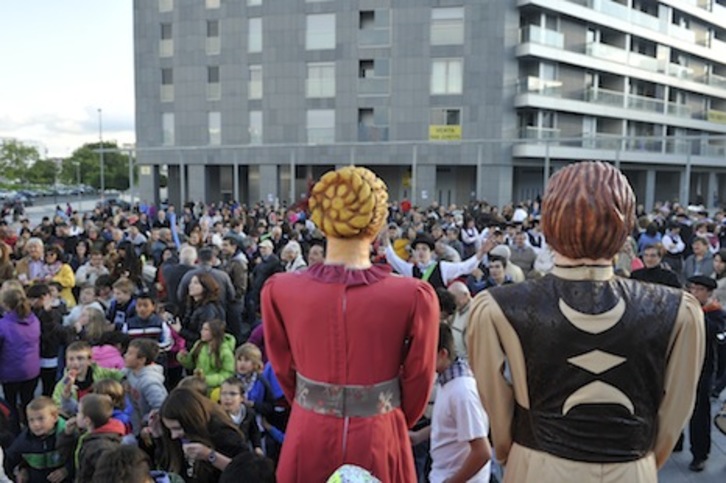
<point>682,33</point>
<point>679,110</point>
<point>680,71</point>
<point>610,142</point>
<point>605,96</point>
<point>540,86</point>
<point>372,133</point>
<point>166,47</point>
<point>607,52</point>
<point>213,46</point>
<point>644,103</point>
<point>167,93</point>
<point>373,86</point>
<point>534,132</point>
<point>643,61</point>
<point>717,81</point>
<point>539,35</point>
<point>214,91</point>
<point>374,37</point>
<point>718,46</point>
<point>644,144</point>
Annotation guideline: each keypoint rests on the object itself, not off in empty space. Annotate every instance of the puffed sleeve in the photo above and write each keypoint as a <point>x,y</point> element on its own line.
<point>419,364</point>
<point>277,345</point>
<point>685,359</point>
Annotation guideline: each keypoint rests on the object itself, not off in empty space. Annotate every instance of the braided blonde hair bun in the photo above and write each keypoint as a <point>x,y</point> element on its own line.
<point>350,202</point>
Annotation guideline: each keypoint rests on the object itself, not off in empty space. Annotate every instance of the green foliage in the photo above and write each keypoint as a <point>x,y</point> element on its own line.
<point>16,159</point>
<point>85,161</point>
<point>44,171</point>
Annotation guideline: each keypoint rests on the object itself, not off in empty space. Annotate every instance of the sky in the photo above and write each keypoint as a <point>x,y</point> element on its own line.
<point>61,61</point>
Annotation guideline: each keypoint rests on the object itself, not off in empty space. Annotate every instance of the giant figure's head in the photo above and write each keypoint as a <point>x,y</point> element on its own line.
<point>350,202</point>
<point>588,210</point>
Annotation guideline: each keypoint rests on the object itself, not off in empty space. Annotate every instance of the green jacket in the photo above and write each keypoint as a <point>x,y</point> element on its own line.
<point>205,362</point>
<point>70,406</point>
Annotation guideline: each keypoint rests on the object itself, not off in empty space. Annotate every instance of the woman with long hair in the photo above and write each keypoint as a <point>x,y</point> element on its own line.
<point>201,306</point>
<point>128,264</point>
<point>198,438</point>
<point>80,256</point>
<point>19,348</point>
<point>213,355</point>
<point>56,270</point>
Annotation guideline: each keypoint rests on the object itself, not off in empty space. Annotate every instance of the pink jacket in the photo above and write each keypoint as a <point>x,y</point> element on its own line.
<point>108,356</point>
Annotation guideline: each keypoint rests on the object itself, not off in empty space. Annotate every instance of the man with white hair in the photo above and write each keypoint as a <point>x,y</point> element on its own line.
<point>459,324</point>
<point>292,257</point>
<point>173,273</point>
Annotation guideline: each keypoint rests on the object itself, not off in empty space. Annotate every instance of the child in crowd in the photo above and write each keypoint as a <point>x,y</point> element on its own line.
<point>232,399</point>
<point>173,370</point>
<point>104,291</point>
<point>79,376</point>
<point>249,468</point>
<point>86,298</point>
<point>128,464</point>
<point>101,433</point>
<point>145,380</point>
<point>52,334</point>
<point>212,354</point>
<point>109,348</point>
<point>123,305</point>
<point>146,323</point>
<point>460,448</point>
<point>196,383</point>
<point>57,300</point>
<point>122,407</point>
<point>35,456</point>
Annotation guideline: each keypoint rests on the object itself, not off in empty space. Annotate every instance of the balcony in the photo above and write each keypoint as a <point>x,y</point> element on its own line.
<point>167,93</point>
<point>213,45</point>
<point>682,33</point>
<point>712,115</point>
<point>166,47</point>
<point>607,52</point>
<point>718,46</point>
<point>374,37</point>
<point>644,103</point>
<point>716,81</point>
<point>607,97</point>
<point>370,134</point>
<point>214,91</point>
<point>620,11</point>
<point>644,62</point>
<point>718,10</point>
<point>610,142</point>
<point>534,132</point>
<point>679,110</point>
<point>539,35</point>
<point>373,86</point>
<point>680,71</point>
<point>537,85</point>
<point>652,145</point>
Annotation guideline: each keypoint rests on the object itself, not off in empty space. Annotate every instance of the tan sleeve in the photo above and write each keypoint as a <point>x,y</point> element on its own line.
<point>685,359</point>
<point>492,342</point>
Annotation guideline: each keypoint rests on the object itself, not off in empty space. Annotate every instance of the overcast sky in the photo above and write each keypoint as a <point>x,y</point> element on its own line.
<point>62,60</point>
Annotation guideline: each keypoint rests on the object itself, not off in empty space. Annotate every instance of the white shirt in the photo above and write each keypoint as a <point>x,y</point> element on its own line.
<point>449,270</point>
<point>457,419</point>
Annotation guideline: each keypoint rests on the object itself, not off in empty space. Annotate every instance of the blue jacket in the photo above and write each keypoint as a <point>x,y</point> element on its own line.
<point>19,347</point>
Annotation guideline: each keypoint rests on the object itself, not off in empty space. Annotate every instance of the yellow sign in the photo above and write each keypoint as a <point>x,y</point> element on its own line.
<point>716,116</point>
<point>444,133</point>
<point>145,170</point>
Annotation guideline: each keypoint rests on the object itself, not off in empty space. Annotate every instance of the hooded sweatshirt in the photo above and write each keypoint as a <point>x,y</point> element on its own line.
<point>147,392</point>
<point>93,444</point>
<point>200,357</point>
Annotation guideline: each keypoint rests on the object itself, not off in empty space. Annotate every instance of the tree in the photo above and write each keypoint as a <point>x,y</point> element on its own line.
<point>86,162</point>
<point>43,171</point>
<point>16,159</point>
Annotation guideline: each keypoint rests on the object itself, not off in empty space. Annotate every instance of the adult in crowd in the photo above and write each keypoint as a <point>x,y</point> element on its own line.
<point>266,266</point>
<point>202,305</point>
<point>57,270</point>
<point>292,257</point>
<point>30,267</point>
<point>19,348</point>
<point>91,270</point>
<point>700,262</point>
<point>7,269</point>
<point>173,274</point>
<point>655,271</point>
<point>608,394</point>
<point>523,255</point>
<point>377,349</point>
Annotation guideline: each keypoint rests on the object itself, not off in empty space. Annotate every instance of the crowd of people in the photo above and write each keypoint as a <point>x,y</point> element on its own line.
<point>132,345</point>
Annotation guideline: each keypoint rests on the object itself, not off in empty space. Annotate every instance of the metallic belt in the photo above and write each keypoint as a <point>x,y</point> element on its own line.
<point>348,400</point>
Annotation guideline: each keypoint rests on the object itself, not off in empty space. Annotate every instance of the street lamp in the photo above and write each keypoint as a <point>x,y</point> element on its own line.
<point>100,152</point>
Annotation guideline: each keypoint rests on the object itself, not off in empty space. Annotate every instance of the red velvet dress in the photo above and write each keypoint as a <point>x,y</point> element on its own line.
<point>350,327</point>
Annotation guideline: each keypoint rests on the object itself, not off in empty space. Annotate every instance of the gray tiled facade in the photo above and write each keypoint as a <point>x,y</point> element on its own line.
<point>383,102</point>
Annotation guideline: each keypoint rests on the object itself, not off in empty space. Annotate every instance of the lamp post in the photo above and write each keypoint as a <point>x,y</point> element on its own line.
<point>78,181</point>
<point>100,153</point>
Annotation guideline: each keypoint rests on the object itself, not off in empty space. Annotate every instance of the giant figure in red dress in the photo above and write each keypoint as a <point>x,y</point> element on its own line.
<point>353,346</point>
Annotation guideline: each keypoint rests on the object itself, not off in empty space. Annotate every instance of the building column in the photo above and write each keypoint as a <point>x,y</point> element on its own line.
<point>269,182</point>
<point>649,189</point>
<point>425,185</point>
<point>496,184</point>
<point>685,187</point>
<point>173,185</point>
<point>197,176</point>
<point>149,183</point>
<point>711,198</point>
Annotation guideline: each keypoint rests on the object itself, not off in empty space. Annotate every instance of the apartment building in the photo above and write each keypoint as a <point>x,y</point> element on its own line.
<point>447,100</point>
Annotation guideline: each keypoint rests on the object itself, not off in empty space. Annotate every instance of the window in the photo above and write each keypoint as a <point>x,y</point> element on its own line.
<point>252,3</point>
<point>167,128</point>
<point>447,26</point>
<point>321,126</point>
<point>166,45</point>
<point>167,85</point>
<point>374,27</point>
<point>214,90</point>
<point>212,3</point>
<point>366,69</point>
<point>166,5</point>
<point>255,128</point>
<point>254,35</point>
<point>321,80</point>
<point>446,117</point>
<point>367,20</point>
<point>213,43</point>
<point>446,76</point>
<point>255,82</point>
<point>320,31</point>
<point>215,128</point>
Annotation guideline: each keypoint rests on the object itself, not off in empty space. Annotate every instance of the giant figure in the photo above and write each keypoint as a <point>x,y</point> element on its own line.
<point>353,346</point>
<point>586,376</point>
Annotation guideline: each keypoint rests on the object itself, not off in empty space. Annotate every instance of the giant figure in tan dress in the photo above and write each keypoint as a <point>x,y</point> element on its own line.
<point>586,376</point>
